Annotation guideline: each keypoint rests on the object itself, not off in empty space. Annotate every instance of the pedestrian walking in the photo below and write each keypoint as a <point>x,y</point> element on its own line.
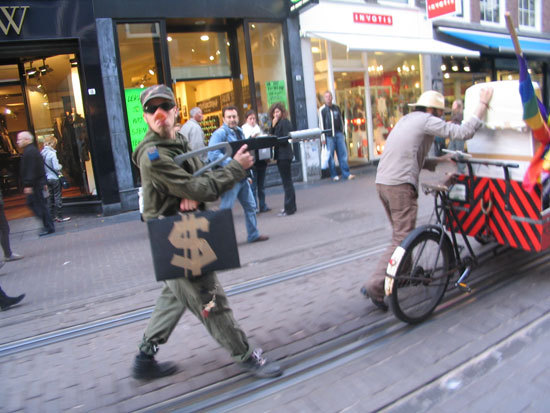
<point>251,129</point>
<point>192,131</point>
<point>399,168</point>
<point>230,132</point>
<point>9,255</point>
<point>53,170</point>
<point>330,117</point>
<point>34,181</point>
<point>281,126</point>
<point>5,300</point>
<point>167,189</point>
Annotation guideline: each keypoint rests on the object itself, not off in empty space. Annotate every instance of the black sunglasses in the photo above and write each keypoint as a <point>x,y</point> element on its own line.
<point>165,106</point>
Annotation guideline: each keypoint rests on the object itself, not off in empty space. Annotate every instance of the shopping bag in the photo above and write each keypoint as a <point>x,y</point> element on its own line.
<point>193,244</point>
<point>324,156</point>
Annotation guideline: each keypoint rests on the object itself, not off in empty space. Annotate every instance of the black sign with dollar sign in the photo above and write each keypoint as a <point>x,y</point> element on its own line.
<point>193,244</point>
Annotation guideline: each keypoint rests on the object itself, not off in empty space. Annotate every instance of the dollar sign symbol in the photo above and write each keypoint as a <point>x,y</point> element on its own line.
<point>197,253</point>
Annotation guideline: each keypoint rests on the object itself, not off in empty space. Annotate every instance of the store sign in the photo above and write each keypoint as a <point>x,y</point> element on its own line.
<point>210,105</point>
<point>12,17</point>
<point>370,18</point>
<point>276,92</point>
<point>297,5</point>
<point>436,8</point>
<point>134,112</point>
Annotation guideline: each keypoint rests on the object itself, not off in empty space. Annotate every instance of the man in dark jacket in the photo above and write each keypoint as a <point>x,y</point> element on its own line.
<point>330,117</point>
<point>34,181</point>
<point>168,188</point>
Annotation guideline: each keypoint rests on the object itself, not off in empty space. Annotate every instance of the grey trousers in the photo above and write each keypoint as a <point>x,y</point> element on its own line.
<point>181,294</point>
<point>401,206</point>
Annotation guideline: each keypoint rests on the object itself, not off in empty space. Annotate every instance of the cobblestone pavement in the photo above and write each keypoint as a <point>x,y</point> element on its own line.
<point>97,267</point>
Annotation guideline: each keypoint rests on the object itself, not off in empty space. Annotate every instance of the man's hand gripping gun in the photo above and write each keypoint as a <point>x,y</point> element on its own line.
<point>260,142</point>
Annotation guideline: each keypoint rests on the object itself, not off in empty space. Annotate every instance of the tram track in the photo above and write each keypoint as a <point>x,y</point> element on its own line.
<point>143,314</point>
<point>239,391</point>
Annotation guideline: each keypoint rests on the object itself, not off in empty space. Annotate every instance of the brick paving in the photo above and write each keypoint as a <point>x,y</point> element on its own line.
<point>95,267</point>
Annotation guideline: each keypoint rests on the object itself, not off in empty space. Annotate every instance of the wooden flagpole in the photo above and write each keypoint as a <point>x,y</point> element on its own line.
<point>513,33</point>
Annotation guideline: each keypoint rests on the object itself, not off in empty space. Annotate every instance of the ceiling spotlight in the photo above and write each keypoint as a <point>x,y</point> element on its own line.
<point>466,68</point>
<point>446,76</point>
<point>211,57</point>
<point>31,71</point>
<point>45,68</point>
<point>151,72</point>
<point>454,67</point>
<point>74,62</point>
<point>315,49</point>
<point>169,38</point>
<point>443,67</point>
<point>205,38</point>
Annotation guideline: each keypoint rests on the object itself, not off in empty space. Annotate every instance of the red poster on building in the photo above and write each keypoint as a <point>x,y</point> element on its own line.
<point>436,8</point>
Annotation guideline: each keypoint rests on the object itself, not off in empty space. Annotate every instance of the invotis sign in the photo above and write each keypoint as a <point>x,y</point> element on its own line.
<point>12,17</point>
<point>438,8</point>
<point>370,18</point>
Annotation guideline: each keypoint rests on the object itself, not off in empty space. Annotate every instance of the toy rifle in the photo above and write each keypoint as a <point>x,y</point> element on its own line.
<point>260,142</point>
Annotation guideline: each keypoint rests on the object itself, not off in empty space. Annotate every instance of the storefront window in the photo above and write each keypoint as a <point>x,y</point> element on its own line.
<point>267,47</point>
<point>394,83</point>
<point>490,11</point>
<point>344,58</point>
<point>55,106</point>
<point>139,49</point>
<point>199,55</point>
<point>320,67</point>
<point>527,14</point>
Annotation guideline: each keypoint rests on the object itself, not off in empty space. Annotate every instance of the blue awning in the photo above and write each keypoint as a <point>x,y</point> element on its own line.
<point>498,42</point>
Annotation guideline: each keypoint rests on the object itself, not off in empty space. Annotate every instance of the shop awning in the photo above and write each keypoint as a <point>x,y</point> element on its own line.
<point>499,42</point>
<point>394,44</point>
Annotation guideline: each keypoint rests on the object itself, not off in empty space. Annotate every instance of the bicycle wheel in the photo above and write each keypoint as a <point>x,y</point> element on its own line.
<point>422,278</point>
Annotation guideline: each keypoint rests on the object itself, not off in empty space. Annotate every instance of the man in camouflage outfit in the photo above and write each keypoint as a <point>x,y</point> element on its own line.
<point>167,189</point>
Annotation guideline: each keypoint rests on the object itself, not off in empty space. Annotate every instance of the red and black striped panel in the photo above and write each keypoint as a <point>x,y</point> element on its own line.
<point>498,221</point>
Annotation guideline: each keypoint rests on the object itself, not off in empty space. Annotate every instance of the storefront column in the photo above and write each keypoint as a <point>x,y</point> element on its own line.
<point>114,108</point>
<point>432,76</point>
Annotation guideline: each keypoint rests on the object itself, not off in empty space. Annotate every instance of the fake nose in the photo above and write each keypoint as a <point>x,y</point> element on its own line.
<point>160,115</point>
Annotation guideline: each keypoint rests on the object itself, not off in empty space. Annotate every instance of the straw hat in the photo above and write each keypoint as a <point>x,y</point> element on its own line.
<point>430,99</point>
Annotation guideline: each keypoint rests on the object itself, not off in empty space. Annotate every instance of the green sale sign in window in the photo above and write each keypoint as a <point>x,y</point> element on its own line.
<point>136,123</point>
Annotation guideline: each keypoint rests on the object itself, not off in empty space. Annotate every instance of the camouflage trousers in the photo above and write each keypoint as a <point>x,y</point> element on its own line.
<point>206,299</point>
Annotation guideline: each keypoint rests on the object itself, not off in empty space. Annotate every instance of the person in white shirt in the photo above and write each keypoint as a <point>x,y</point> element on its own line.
<point>251,129</point>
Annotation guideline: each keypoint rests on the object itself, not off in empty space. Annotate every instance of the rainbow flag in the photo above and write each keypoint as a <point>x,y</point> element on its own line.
<point>536,117</point>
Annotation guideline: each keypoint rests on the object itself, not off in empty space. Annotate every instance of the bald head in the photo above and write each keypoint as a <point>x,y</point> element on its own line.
<point>24,138</point>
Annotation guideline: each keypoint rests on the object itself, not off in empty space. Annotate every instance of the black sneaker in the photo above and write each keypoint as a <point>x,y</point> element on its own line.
<point>380,304</point>
<point>146,368</point>
<point>260,367</point>
<point>6,302</point>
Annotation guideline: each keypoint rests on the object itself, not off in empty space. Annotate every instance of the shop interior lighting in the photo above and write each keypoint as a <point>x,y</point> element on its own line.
<point>228,44</point>
<point>7,111</point>
<point>151,72</point>
<point>74,62</point>
<point>169,38</point>
<point>205,38</point>
<point>31,71</point>
<point>443,67</point>
<point>211,57</point>
<point>446,76</point>
<point>45,68</point>
<point>466,68</point>
<point>315,49</point>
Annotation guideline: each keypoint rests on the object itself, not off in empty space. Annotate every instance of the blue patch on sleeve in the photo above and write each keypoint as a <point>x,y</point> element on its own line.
<point>153,154</point>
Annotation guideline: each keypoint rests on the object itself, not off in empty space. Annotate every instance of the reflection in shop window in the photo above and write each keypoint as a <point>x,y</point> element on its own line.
<point>267,47</point>
<point>139,50</point>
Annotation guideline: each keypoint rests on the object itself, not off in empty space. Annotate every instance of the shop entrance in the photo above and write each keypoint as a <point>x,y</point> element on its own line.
<point>42,94</point>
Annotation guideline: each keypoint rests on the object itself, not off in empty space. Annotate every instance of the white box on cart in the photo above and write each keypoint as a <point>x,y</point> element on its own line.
<point>505,136</point>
